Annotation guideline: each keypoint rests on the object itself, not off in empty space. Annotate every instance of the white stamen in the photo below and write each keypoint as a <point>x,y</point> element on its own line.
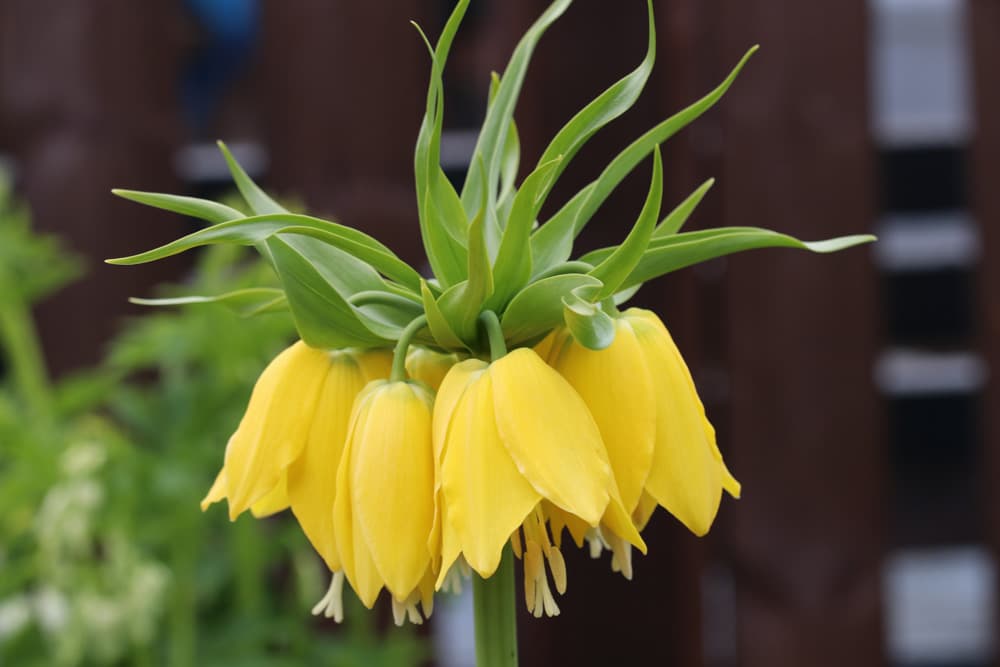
<point>332,604</point>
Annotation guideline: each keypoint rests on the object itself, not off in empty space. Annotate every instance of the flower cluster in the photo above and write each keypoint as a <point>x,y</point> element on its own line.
<point>403,483</point>
<point>425,422</point>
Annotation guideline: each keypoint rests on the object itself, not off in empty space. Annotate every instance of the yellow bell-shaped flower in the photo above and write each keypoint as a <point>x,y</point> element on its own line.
<point>429,366</point>
<point>384,509</point>
<point>661,445</point>
<point>288,446</point>
<point>514,443</point>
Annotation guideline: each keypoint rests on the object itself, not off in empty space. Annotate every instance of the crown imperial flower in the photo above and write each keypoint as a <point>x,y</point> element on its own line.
<point>400,489</point>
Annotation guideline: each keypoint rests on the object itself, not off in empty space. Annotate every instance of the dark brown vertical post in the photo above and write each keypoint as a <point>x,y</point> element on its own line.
<point>805,418</point>
<point>984,21</point>
<point>88,92</point>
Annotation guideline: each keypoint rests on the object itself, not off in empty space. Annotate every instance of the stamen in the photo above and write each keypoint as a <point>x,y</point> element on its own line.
<point>532,568</point>
<point>332,604</point>
<point>398,612</point>
<point>558,568</point>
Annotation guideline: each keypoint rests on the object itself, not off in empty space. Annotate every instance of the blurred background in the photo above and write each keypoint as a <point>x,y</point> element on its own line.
<point>853,394</point>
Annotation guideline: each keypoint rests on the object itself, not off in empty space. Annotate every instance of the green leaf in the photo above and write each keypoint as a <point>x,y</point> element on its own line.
<point>259,201</point>
<point>511,152</point>
<point>492,135</point>
<point>676,219</point>
<point>256,229</point>
<point>462,303</point>
<point>619,264</point>
<point>552,244</point>
<point>512,268</point>
<point>441,228</point>
<point>243,301</point>
<point>538,308</point>
<point>590,325</point>
<point>554,238</point>
<point>605,108</point>
<point>202,209</point>
<point>436,322</point>
<point>680,250</point>
<point>382,261</point>
<point>323,318</point>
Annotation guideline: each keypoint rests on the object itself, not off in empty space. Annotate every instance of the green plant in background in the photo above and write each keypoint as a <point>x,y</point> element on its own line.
<point>101,561</point>
<point>528,433</point>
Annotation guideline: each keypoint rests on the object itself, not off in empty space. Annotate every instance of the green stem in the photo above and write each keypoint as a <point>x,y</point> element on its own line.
<point>495,615</point>
<point>498,347</point>
<point>399,354</point>
<point>19,339</point>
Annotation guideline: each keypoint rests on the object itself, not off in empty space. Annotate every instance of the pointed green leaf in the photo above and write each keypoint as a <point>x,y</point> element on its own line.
<point>492,135</point>
<point>574,215</point>
<point>441,229</point>
<point>680,250</point>
<point>590,325</point>
<point>202,209</point>
<point>258,200</point>
<point>443,334</point>
<point>605,108</point>
<point>242,301</point>
<point>511,153</point>
<point>538,308</point>
<point>512,268</point>
<point>323,318</point>
<point>462,303</point>
<point>620,263</point>
<point>256,229</point>
<point>676,219</point>
<point>384,262</point>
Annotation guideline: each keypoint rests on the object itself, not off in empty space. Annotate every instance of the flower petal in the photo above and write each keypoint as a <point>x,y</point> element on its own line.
<point>392,483</point>
<point>428,366</point>
<point>312,477</point>
<point>273,430</point>
<point>486,496</point>
<point>617,388</point>
<point>354,554</point>
<point>275,501</point>
<point>686,477</point>
<point>550,435</point>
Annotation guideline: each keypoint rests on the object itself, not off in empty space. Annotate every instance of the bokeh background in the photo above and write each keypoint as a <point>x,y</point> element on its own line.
<point>854,394</point>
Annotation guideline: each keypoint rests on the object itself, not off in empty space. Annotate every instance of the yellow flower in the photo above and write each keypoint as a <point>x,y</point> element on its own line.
<point>384,507</point>
<point>661,445</point>
<point>514,444</point>
<point>287,448</point>
<point>429,366</point>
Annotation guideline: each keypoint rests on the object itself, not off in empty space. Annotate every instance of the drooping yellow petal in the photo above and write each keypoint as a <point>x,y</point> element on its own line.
<point>273,430</point>
<point>685,478</point>
<point>312,477</point>
<point>485,494</point>
<point>450,392</point>
<point>616,386</point>
<point>729,483</point>
<point>550,435</point>
<point>217,492</point>
<point>644,512</point>
<point>392,483</point>
<point>275,501</point>
<point>428,366</point>
<point>356,559</point>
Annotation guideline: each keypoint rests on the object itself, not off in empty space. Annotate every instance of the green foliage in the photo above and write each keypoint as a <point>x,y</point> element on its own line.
<point>106,559</point>
<point>486,246</point>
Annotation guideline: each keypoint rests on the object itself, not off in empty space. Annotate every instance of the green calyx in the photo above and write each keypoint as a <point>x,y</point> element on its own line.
<point>487,247</point>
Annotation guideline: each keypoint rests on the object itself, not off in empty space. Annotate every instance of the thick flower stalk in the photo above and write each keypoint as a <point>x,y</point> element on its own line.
<point>428,425</point>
